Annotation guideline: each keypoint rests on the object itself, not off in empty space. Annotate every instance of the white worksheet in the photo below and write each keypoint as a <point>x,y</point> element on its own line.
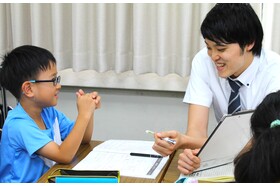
<point>115,155</point>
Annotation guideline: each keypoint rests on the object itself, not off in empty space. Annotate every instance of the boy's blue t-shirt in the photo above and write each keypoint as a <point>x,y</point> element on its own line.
<point>21,138</point>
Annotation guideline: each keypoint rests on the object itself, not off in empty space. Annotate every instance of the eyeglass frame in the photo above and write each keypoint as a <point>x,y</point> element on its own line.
<point>55,80</point>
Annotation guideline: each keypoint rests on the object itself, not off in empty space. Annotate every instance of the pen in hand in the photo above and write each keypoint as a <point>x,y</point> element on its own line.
<point>172,141</point>
<point>145,155</point>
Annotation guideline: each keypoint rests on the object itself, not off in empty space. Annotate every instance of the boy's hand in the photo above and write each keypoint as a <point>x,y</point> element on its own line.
<point>188,161</point>
<point>163,147</point>
<point>94,96</point>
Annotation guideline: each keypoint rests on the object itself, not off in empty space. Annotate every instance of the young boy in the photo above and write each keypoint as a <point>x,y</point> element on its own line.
<point>35,134</point>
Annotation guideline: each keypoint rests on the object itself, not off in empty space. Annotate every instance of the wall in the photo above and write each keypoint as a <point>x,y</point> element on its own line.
<point>126,114</point>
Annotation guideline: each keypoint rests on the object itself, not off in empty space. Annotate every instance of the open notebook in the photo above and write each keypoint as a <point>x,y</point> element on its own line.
<point>228,138</point>
<point>116,154</point>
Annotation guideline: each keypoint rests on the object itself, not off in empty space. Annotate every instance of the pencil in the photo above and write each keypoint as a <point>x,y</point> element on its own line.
<point>172,141</point>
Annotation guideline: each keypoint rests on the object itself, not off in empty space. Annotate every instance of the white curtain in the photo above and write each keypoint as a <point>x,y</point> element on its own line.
<point>271,24</point>
<point>117,45</point>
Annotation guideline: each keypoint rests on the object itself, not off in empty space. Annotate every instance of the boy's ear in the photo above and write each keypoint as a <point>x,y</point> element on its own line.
<point>27,89</point>
<point>250,46</point>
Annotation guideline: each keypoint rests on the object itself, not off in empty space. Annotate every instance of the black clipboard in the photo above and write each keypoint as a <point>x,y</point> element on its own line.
<point>225,142</point>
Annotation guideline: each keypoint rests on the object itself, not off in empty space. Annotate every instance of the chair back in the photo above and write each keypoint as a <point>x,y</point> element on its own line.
<point>3,109</point>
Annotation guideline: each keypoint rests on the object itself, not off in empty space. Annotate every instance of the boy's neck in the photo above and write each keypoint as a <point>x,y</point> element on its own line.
<point>34,112</point>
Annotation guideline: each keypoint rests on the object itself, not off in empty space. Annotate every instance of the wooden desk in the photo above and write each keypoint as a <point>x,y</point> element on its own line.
<point>172,173</point>
<point>82,153</point>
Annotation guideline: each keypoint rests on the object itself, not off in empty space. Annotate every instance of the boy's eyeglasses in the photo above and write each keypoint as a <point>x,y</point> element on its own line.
<point>55,81</point>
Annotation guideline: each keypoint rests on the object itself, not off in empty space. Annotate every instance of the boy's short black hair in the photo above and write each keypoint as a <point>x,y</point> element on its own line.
<point>233,23</point>
<point>22,64</point>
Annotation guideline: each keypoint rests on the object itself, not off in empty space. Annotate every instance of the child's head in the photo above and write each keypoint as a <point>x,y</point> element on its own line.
<point>22,64</point>
<point>260,163</point>
<point>266,112</point>
<point>233,23</point>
